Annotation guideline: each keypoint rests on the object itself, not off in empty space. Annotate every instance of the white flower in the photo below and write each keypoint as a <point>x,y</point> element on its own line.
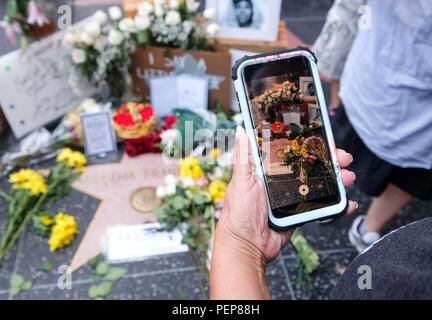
<point>209,13</point>
<point>93,29</point>
<point>70,39</point>
<point>172,18</point>
<point>127,25</point>
<point>170,179</point>
<point>170,189</point>
<point>212,29</point>
<point>237,118</point>
<point>159,10</point>
<point>219,173</point>
<point>144,9</point>
<point>192,5</point>
<point>89,105</point>
<point>99,44</point>
<point>142,23</point>
<point>100,17</point>
<point>115,13</point>
<point>160,192</point>
<point>173,4</point>
<point>115,37</point>
<point>168,137</point>
<point>86,38</point>
<point>78,56</point>
<point>187,182</point>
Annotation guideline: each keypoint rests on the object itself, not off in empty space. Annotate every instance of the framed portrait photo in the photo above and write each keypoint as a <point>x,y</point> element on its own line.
<point>247,19</point>
<point>307,87</point>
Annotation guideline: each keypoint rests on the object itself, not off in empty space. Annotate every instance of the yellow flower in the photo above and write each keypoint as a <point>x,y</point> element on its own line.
<point>215,153</point>
<point>73,159</point>
<point>27,179</point>
<point>46,220</point>
<point>190,167</point>
<point>295,145</point>
<point>63,232</point>
<point>217,190</point>
<point>304,152</point>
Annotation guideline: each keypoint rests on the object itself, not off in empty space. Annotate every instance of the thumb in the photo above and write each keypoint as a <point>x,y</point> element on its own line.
<point>243,164</point>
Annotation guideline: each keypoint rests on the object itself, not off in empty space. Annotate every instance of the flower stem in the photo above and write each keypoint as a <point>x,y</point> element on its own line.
<point>15,236</point>
<point>5,196</point>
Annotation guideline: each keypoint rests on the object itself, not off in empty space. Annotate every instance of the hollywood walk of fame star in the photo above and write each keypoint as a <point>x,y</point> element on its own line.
<point>113,184</point>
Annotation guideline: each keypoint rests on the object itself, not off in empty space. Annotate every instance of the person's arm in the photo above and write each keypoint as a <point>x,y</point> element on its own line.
<point>244,243</point>
<point>238,269</point>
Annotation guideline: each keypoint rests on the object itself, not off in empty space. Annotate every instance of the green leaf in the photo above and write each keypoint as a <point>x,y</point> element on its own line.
<point>93,263</point>
<point>26,285</point>
<point>104,289</point>
<point>45,266</point>
<point>143,37</point>
<point>93,292</point>
<point>13,291</point>
<point>11,9</point>
<point>16,280</point>
<point>178,203</point>
<point>115,274</point>
<point>102,269</point>
<point>198,198</point>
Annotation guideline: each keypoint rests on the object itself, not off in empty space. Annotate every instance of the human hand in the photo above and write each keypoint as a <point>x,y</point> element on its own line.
<point>244,219</point>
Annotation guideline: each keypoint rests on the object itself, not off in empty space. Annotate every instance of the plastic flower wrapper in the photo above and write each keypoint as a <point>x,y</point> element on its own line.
<point>41,145</point>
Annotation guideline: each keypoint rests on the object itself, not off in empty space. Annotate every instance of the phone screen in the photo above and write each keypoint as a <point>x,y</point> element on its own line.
<point>294,150</point>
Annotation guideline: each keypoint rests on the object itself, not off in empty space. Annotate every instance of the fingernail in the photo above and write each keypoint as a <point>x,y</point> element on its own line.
<point>356,205</point>
<point>353,174</point>
<point>350,157</point>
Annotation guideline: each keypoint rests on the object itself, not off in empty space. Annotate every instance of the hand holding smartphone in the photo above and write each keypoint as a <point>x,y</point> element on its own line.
<point>285,116</point>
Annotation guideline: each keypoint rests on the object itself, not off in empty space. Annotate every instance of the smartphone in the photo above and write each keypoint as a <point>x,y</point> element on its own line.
<point>285,116</point>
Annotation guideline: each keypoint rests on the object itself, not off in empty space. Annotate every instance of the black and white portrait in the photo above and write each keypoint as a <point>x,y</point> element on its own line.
<point>247,19</point>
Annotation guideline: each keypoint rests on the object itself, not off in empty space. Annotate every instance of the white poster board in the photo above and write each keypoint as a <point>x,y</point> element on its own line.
<point>35,88</point>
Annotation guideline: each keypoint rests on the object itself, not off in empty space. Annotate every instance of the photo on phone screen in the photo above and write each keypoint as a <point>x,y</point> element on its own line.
<point>294,150</point>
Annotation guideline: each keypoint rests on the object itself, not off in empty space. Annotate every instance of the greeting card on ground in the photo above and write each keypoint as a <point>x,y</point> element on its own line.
<point>178,91</point>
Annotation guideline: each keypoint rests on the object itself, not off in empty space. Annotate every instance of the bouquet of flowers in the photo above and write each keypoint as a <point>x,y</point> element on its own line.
<point>195,198</point>
<point>286,92</point>
<point>101,50</point>
<point>25,17</point>
<point>315,146</point>
<point>137,125</point>
<point>300,160</point>
<point>30,190</point>
<point>173,24</point>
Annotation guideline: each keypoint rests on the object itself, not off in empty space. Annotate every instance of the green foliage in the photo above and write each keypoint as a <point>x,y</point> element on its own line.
<point>107,273</point>
<point>18,284</point>
<point>40,229</point>
<point>46,266</point>
<point>59,180</point>
<point>307,255</point>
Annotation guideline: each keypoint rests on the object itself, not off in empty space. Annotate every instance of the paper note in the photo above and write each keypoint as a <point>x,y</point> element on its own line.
<point>99,136</point>
<point>137,242</point>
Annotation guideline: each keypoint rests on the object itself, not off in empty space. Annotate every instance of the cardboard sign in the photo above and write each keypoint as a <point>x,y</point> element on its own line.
<point>152,62</point>
<point>182,91</point>
<point>35,88</point>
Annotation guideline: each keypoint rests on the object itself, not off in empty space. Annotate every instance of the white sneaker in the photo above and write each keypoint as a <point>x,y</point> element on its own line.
<point>359,241</point>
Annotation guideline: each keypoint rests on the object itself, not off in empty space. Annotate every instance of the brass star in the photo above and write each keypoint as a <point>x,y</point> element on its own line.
<point>114,184</point>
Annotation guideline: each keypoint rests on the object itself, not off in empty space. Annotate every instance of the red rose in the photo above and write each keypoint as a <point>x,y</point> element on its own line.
<point>146,113</point>
<point>170,121</point>
<point>124,120</point>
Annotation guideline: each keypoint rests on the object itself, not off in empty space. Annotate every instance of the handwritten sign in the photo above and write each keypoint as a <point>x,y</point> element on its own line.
<point>34,87</point>
<point>99,137</point>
